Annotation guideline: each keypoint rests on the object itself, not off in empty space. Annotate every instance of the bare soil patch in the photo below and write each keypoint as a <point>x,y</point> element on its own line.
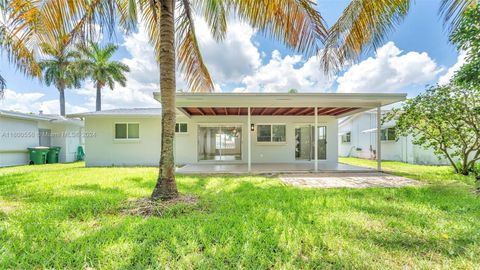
<point>145,207</point>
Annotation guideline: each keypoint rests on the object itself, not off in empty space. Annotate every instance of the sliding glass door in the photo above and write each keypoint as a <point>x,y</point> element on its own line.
<point>305,142</point>
<point>220,143</point>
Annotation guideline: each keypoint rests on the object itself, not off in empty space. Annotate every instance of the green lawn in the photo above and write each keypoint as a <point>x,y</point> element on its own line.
<point>431,174</point>
<point>68,216</point>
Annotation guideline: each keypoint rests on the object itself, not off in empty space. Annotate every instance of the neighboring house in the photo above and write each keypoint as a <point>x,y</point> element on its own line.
<point>18,131</point>
<point>358,135</point>
<point>229,128</point>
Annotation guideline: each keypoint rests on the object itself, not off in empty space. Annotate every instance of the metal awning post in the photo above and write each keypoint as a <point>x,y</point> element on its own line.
<point>379,141</point>
<point>316,139</point>
<point>249,148</point>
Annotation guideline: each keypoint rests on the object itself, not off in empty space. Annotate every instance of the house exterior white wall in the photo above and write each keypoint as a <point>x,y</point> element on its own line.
<point>18,134</point>
<point>104,150</point>
<point>361,142</point>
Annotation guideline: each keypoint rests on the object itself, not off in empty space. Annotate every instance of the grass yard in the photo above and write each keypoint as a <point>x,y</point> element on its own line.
<point>431,174</point>
<point>68,216</point>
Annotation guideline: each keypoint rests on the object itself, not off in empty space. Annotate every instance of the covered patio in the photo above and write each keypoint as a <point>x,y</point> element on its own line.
<point>268,132</point>
<point>264,168</point>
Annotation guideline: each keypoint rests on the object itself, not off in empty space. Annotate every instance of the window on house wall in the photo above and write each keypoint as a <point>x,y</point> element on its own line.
<point>124,131</point>
<point>181,128</point>
<point>271,133</point>
<point>346,138</point>
<point>388,134</point>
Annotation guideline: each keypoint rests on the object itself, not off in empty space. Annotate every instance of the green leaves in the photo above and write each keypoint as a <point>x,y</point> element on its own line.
<point>467,38</point>
<point>94,61</point>
<point>445,119</point>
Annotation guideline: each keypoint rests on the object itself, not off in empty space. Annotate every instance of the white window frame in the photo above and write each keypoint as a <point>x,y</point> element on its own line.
<point>125,139</point>
<point>180,132</point>
<point>271,133</point>
<point>386,135</point>
<point>344,137</point>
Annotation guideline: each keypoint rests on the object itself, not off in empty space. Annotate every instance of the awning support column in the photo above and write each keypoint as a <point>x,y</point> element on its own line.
<point>249,148</point>
<point>379,141</point>
<point>316,139</point>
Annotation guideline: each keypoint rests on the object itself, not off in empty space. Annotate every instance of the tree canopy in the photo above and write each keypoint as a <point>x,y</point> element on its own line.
<point>446,118</point>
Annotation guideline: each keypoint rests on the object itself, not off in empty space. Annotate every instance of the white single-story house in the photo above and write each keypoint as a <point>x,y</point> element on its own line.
<point>18,131</point>
<point>234,128</point>
<point>358,137</point>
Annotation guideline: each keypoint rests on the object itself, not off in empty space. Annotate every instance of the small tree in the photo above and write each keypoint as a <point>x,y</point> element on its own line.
<point>445,119</point>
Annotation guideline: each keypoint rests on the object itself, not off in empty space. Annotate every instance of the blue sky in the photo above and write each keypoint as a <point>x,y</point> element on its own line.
<point>417,53</point>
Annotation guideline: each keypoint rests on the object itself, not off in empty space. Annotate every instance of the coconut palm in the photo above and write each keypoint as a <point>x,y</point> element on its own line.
<point>60,67</point>
<point>295,23</point>
<point>96,64</point>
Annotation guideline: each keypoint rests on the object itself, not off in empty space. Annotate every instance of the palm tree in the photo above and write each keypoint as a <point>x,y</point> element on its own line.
<point>96,64</point>
<point>295,23</point>
<point>60,67</point>
<point>3,84</point>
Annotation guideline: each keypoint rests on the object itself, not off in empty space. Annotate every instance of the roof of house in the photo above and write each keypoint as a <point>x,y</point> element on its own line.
<point>125,112</point>
<point>282,104</point>
<point>52,118</point>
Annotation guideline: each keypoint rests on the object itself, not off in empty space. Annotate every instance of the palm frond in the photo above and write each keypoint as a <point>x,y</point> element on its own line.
<point>16,43</point>
<point>296,23</point>
<point>189,56</point>
<point>3,85</point>
<point>452,10</point>
<point>215,14</point>
<point>127,11</point>
<point>108,50</point>
<point>150,14</point>
<point>362,23</point>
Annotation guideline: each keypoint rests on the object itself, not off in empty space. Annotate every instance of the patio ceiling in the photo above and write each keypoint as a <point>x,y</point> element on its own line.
<point>280,111</point>
<point>281,104</point>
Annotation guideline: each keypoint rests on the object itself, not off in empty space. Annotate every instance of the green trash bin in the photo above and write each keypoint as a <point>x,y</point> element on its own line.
<point>38,155</point>
<point>80,153</point>
<point>53,153</point>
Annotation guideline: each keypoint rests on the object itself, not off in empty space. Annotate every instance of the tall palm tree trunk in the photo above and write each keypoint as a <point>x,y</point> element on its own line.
<point>99,98</point>
<point>166,187</point>
<point>61,91</point>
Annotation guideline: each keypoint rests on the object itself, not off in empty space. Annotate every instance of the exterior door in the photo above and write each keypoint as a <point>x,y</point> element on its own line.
<point>220,143</point>
<point>44,137</point>
<point>305,142</point>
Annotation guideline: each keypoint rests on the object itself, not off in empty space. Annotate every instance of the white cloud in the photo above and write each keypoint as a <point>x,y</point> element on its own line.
<point>32,102</point>
<point>389,71</point>
<point>233,58</point>
<point>228,62</point>
<point>281,74</point>
<point>142,80</point>
<point>445,78</point>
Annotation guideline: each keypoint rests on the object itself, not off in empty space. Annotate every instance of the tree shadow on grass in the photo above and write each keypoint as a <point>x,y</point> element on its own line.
<point>249,224</point>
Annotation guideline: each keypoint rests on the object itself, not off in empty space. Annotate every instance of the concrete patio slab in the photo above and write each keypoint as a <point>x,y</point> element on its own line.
<point>347,180</point>
<point>263,168</point>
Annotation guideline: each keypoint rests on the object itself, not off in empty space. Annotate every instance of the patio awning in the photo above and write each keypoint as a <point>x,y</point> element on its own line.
<point>283,104</point>
<point>389,124</point>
